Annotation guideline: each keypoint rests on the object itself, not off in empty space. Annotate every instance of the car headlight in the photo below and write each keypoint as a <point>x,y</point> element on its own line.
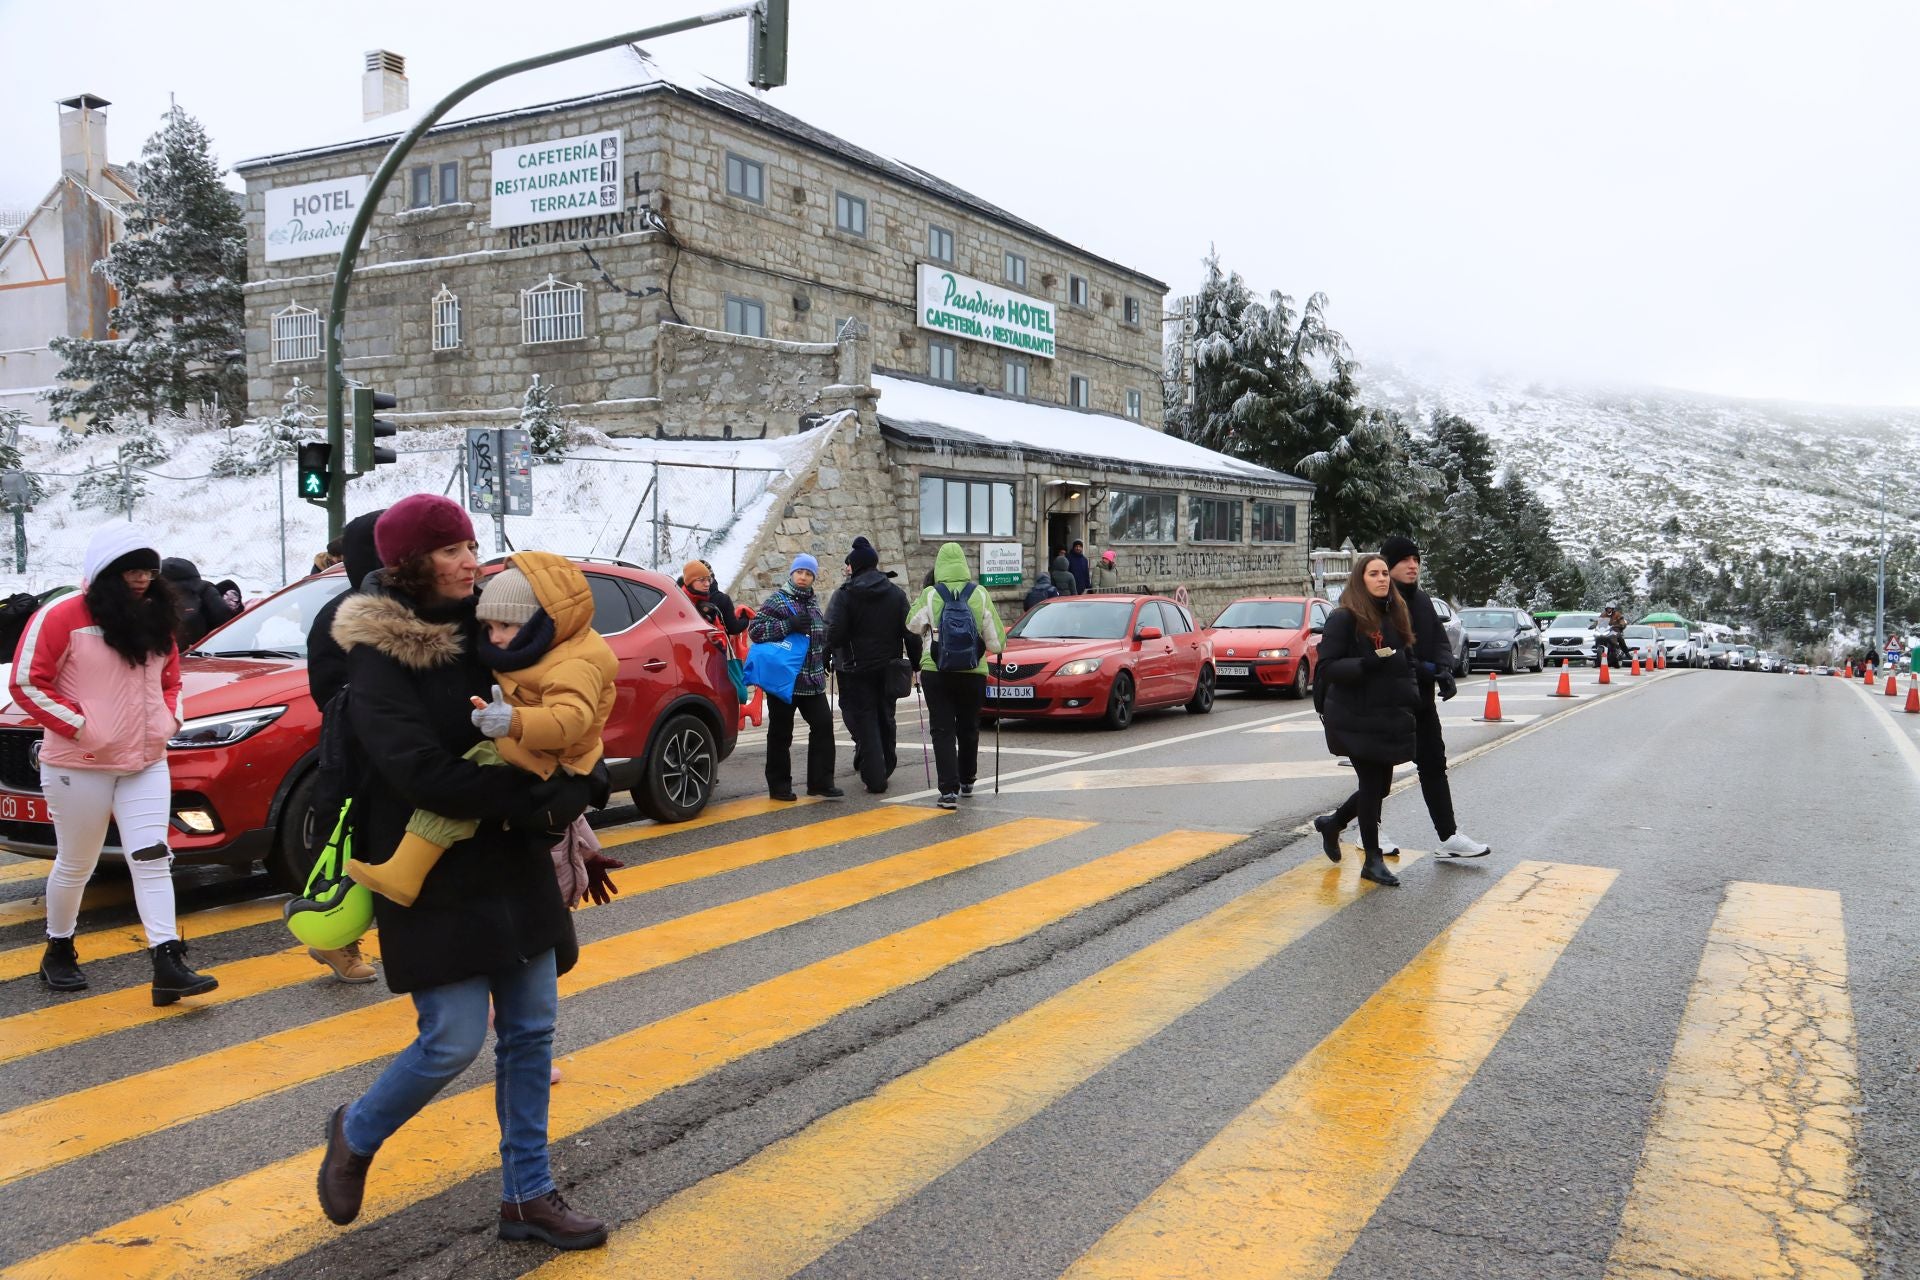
<point>1274,653</point>
<point>224,730</point>
<point>1496,644</point>
<point>1079,667</point>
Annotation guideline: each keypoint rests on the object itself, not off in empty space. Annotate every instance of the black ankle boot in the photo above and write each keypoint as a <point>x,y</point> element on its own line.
<point>173,977</point>
<point>60,967</point>
<point>1375,869</point>
<point>1329,836</point>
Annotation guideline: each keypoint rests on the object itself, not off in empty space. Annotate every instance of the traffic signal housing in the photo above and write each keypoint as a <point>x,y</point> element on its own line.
<point>767,45</point>
<point>314,470</point>
<point>368,430</point>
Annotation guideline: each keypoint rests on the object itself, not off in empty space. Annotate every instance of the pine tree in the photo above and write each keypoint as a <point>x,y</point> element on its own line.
<point>12,421</point>
<point>178,271</point>
<point>546,430</point>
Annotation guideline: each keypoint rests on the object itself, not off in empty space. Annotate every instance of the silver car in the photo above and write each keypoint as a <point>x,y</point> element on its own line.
<point>1570,638</point>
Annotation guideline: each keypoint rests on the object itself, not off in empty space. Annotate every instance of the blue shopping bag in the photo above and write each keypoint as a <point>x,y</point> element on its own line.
<point>775,665</point>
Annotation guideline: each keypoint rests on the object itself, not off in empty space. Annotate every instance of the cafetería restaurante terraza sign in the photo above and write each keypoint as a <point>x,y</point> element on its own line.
<point>990,313</point>
<point>559,178</point>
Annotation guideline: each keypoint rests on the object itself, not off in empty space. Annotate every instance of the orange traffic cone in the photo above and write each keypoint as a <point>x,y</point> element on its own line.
<point>1636,664</point>
<point>1606,670</point>
<point>1849,671</point>
<point>1565,689</point>
<point>1868,681</point>
<point>1492,713</point>
<point>1660,661</point>
<point>1893,685</point>
<point>1913,699</point>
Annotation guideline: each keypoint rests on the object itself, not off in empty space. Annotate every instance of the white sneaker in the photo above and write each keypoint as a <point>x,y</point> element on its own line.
<point>1461,845</point>
<point>1388,849</point>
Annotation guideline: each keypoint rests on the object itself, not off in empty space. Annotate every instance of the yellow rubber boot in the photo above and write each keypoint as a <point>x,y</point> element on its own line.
<point>399,878</point>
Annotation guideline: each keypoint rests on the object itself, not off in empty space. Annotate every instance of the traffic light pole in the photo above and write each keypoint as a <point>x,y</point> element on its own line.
<point>766,12</point>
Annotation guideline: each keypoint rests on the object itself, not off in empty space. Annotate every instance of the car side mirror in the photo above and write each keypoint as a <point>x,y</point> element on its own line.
<point>1147,633</point>
<point>1315,629</point>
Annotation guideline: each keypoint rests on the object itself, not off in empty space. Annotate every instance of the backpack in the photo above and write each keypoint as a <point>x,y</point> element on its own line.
<point>956,640</point>
<point>15,612</point>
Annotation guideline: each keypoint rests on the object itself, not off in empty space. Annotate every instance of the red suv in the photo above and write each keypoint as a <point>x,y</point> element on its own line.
<point>1105,656</point>
<point>242,764</point>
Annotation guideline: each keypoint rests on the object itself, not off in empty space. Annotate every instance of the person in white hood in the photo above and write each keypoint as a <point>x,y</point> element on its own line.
<point>100,673</point>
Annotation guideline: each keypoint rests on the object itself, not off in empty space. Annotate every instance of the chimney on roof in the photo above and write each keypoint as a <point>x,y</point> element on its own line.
<point>83,138</point>
<point>383,86</point>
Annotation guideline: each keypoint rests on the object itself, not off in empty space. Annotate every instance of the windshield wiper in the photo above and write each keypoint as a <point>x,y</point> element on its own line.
<point>247,653</point>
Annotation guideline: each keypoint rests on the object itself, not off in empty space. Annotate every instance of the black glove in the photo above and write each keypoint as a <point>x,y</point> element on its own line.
<point>1376,660</point>
<point>554,804</point>
<point>600,886</point>
<point>1447,686</point>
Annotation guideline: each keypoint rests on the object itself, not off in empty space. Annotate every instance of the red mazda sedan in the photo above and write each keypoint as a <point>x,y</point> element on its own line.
<point>1100,656</point>
<point>243,763</point>
<point>1269,642</point>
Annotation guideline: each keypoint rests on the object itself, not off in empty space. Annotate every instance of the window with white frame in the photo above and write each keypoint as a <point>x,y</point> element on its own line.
<point>746,317</point>
<point>1134,403</point>
<point>553,311</point>
<point>1016,270</point>
<point>939,244</point>
<point>957,507</point>
<point>1080,392</point>
<point>1134,516</point>
<point>296,334</point>
<point>1130,310</point>
<point>850,213</point>
<point>1273,522</point>
<point>746,178</point>
<point>446,320</point>
<point>1015,381</point>
<point>942,359</point>
<point>1214,519</point>
<point>1077,290</point>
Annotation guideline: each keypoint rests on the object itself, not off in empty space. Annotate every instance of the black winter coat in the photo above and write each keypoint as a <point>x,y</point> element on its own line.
<point>491,903</point>
<point>867,624</point>
<point>717,608</point>
<point>1063,577</point>
<point>326,660</point>
<point>1369,715</point>
<point>1429,637</point>
<point>202,607</point>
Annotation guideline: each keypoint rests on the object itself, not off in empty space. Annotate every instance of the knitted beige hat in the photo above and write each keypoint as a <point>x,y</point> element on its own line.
<point>508,597</point>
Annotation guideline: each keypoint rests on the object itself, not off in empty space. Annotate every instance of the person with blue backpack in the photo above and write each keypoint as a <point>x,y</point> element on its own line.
<point>791,616</point>
<point>959,617</point>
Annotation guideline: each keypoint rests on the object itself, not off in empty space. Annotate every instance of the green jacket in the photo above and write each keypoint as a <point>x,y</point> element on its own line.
<point>950,571</point>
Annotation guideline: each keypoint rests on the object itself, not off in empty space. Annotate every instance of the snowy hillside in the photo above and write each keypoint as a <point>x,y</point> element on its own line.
<point>1616,466</point>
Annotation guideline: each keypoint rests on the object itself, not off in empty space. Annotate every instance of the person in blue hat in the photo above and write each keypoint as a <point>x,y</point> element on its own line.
<point>794,610</point>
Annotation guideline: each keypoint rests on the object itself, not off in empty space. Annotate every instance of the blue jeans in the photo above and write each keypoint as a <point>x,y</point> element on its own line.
<point>453,1028</point>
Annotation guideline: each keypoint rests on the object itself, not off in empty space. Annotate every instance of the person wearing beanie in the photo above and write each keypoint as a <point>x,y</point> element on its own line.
<point>867,635</point>
<point>1062,577</point>
<point>1432,658</point>
<point>488,926</point>
<point>99,671</point>
<point>711,603</point>
<point>1077,565</point>
<point>553,691</point>
<point>794,610</point>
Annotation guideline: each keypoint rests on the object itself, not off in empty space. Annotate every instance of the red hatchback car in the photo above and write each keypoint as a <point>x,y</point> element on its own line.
<point>1269,642</point>
<point>1100,656</point>
<point>243,763</point>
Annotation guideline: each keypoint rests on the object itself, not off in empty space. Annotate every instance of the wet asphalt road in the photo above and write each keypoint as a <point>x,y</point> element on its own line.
<point>1682,784</point>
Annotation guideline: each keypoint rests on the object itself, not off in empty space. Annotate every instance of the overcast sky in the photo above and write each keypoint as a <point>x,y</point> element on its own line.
<point>1712,195</point>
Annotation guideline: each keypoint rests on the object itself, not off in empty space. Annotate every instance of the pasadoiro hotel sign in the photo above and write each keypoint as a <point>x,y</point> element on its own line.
<point>969,308</point>
<point>563,178</point>
<point>313,218</point>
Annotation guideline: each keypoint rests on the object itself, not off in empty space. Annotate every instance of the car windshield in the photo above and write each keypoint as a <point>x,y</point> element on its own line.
<point>1076,620</point>
<point>1276,615</point>
<point>278,625</point>
<point>1487,619</point>
<point>1572,621</point>
<point>1642,633</point>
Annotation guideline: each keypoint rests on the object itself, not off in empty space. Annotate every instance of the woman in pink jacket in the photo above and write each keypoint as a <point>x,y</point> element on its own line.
<point>99,671</point>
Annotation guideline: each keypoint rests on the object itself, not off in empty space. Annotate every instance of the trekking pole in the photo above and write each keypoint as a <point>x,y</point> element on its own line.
<point>1002,665</point>
<point>926,748</point>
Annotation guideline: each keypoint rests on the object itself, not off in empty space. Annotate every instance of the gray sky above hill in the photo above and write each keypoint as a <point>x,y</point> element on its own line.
<point>1711,195</point>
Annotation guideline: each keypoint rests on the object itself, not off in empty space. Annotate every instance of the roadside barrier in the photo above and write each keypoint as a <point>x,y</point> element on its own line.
<point>1491,715</point>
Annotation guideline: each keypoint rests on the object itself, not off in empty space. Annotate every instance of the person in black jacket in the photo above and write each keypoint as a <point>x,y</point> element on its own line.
<point>1433,664</point>
<point>1365,691</point>
<point>488,926</point>
<point>326,660</point>
<point>709,601</point>
<point>867,633</point>
<point>1062,577</point>
<point>199,603</point>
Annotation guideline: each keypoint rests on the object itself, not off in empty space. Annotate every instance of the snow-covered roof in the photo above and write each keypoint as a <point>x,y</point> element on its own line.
<point>948,417</point>
<point>630,72</point>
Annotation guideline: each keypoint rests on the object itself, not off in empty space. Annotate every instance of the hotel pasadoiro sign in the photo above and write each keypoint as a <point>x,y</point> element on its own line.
<point>969,308</point>
<point>562,178</point>
<point>313,218</point>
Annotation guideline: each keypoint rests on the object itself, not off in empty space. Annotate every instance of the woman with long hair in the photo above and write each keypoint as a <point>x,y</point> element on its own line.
<point>99,671</point>
<point>1366,692</point>
<point>488,924</point>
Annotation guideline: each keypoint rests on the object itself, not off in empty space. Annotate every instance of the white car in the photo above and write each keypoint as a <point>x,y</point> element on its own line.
<point>1570,637</point>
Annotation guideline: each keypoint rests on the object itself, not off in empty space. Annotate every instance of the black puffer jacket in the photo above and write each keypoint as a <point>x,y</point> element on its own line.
<point>202,607</point>
<point>326,660</point>
<point>1368,713</point>
<point>867,623</point>
<point>1429,637</point>
<point>491,903</point>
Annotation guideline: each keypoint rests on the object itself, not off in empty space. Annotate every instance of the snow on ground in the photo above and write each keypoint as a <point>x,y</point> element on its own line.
<point>614,497</point>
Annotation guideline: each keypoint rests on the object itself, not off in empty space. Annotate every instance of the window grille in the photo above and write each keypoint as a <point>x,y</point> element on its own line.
<point>446,320</point>
<point>553,311</point>
<point>296,334</point>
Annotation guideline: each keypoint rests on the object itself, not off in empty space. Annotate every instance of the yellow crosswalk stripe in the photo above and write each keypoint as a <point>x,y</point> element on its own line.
<point>35,870</point>
<point>1748,1167</point>
<point>126,939</point>
<point>69,1127</point>
<point>72,1021</point>
<point>1285,1188</point>
<point>269,1216</point>
<point>797,1199</point>
<point>112,893</point>
<point>712,815</point>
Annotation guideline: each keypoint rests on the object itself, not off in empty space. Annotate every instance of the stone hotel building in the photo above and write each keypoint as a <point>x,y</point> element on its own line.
<point>685,262</point>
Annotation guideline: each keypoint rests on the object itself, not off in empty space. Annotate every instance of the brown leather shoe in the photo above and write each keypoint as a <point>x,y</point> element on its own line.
<point>549,1218</point>
<point>347,963</point>
<point>343,1173</point>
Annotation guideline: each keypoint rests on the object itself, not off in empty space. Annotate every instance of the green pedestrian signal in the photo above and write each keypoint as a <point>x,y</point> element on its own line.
<point>313,470</point>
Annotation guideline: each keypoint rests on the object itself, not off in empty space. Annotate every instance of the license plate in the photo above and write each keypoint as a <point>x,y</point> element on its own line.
<point>1009,691</point>
<point>1236,671</point>
<point>24,809</point>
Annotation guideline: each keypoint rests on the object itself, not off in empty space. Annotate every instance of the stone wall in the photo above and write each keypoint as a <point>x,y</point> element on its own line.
<point>721,386</point>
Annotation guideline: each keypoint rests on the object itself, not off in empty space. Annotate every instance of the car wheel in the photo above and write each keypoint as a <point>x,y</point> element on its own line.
<point>1120,702</point>
<point>1301,685</point>
<point>296,846</point>
<point>678,780</point>
<point>1513,662</point>
<point>1202,700</point>
<point>1539,662</point>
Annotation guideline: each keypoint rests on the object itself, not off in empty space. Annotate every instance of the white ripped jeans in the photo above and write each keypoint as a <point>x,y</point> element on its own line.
<point>80,802</point>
